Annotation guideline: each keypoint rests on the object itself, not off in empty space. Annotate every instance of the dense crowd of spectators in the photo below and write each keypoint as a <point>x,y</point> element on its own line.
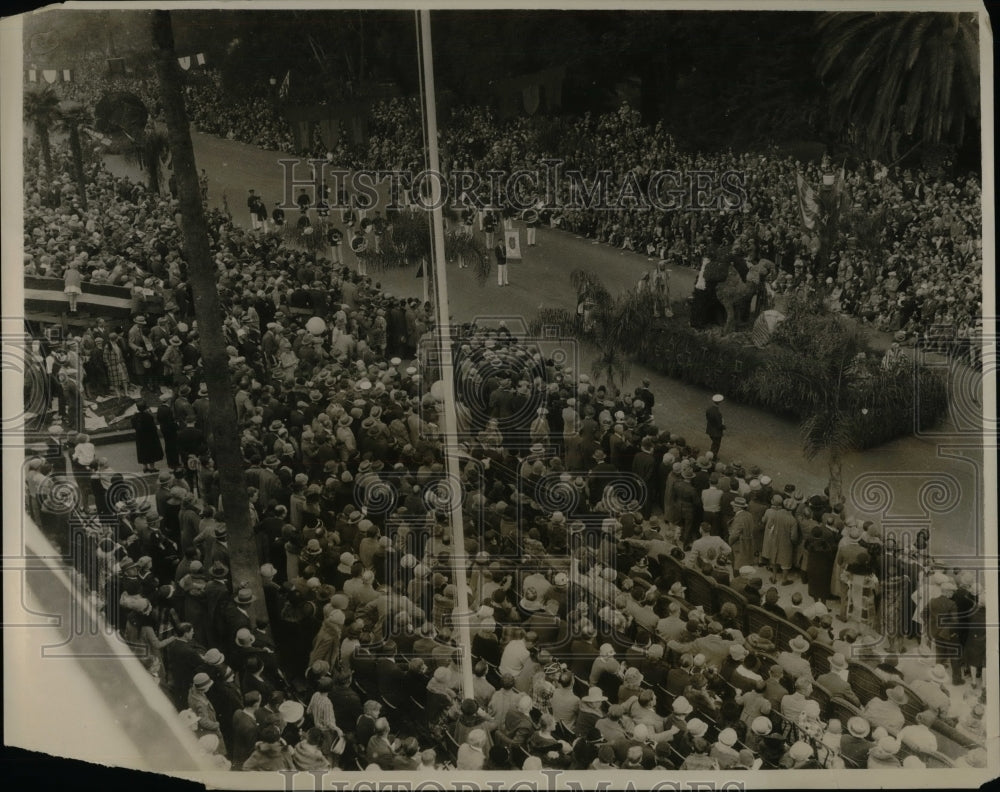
<point>255,119</point>
<point>909,260</point>
<point>590,536</point>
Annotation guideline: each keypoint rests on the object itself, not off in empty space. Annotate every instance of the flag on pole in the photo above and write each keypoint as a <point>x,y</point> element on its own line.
<point>808,207</point>
<point>185,62</point>
<point>285,85</point>
<point>200,58</point>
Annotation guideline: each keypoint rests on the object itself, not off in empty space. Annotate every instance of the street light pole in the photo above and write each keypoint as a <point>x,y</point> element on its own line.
<point>450,449</point>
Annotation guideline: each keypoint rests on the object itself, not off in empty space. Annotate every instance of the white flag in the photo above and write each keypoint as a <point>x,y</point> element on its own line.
<point>185,62</point>
<point>50,75</point>
<point>200,58</point>
<point>32,75</point>
<point>513,241</point>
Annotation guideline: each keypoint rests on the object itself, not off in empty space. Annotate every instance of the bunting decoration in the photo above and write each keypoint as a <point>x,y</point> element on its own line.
<point>808,207</point>
<point>187,61</point>
<point>50,76</point>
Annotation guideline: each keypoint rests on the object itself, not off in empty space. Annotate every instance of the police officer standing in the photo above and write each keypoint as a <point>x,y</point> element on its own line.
<point>715,427</point>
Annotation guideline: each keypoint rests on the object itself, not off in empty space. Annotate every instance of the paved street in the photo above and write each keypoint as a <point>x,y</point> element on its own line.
<point>914,482</point>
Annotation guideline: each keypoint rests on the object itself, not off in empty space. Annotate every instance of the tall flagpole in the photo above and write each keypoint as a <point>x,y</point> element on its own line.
<point>458,554</point>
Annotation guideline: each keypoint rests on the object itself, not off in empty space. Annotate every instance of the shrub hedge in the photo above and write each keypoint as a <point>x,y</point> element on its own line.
<point>884,404</point>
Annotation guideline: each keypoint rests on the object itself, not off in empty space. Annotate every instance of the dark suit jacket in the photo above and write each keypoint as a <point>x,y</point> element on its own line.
<point>391,681</point>
<point>838,687</point>
<point>713,417</point>
<point>940,613</point>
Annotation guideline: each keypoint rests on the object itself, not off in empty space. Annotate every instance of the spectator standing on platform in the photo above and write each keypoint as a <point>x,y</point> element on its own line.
<point>148,450</point>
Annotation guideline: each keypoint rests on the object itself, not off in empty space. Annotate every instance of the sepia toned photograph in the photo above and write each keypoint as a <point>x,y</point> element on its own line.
<point>450,397</point>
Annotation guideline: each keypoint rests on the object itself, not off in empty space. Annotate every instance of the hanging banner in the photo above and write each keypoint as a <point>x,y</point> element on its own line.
<point>200,58</point>
<point>513,241</point>
<point>185,62</point>
<point>50,75</point>
<point>32,75</point>
<point>67,75</point>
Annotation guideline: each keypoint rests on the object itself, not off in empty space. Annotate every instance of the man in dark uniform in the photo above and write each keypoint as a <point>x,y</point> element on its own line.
<point>685,496</point>
<point>500,251</point>
<point>600,476</point>
<point>252,208</point>
<point>715,427</point>
<point>644,394</point>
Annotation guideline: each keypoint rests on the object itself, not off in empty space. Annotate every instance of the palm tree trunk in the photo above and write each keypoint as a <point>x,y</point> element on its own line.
<point>244,563</point>
<point>43,142</point>
<point>835,465</point>
<point>77,151</point>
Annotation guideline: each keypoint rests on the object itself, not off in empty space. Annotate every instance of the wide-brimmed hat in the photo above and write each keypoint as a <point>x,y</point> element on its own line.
<point>740,503</point>
<point>940,675</point>
<point>798,644</point>
<point>682,706</point>
<point>761,726</point>
<point>728,737</point>
<point>140,320</point>
<point>594,696</point>
<point>697,727</point>
<point>800,751</point>
<point>896,695</point>
<point>244,597</point>
<point>291,711</point>
<point>858,727</point>
<point>838,662</point>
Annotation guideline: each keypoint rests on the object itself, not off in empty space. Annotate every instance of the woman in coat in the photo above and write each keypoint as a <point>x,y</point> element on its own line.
<point>821,545</point>
<point>148,450</point>
<point>741,534</point>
